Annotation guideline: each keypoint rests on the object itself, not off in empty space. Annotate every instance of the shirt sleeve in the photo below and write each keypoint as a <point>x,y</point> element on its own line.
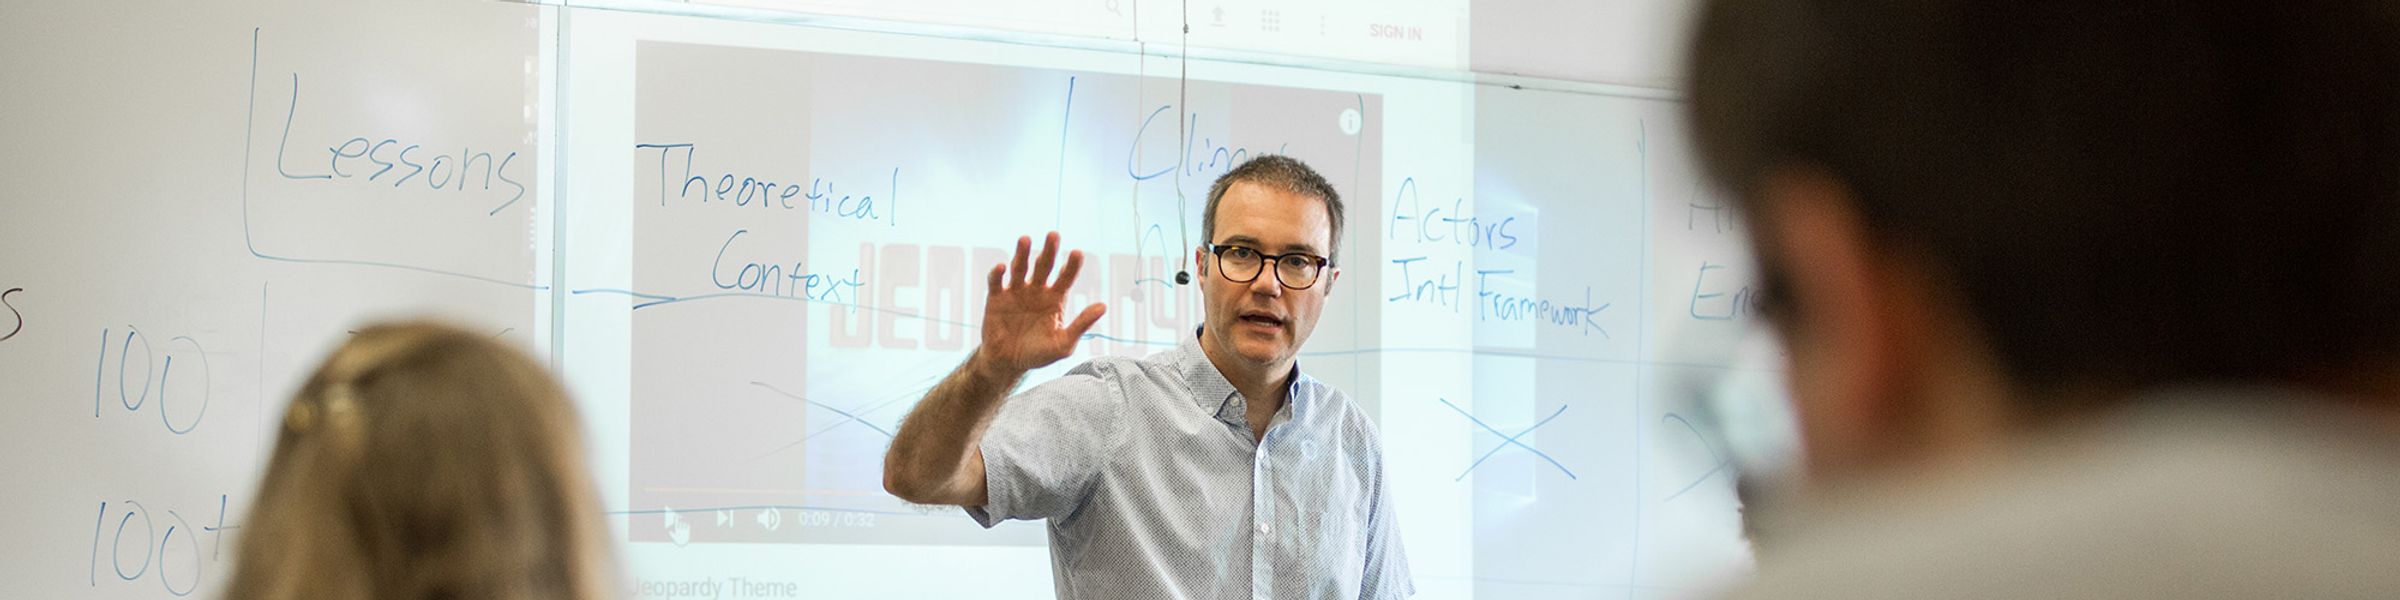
<point>1386,575</point>
<point>1045,449</point>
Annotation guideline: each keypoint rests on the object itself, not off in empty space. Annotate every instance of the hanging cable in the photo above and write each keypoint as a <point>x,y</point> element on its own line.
<point>1183,85</point>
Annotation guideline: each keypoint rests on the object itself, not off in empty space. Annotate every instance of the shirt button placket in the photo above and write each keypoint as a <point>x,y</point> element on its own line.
<point>1261,560</point>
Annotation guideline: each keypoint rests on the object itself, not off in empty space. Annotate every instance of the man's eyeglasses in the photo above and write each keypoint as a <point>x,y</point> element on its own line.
<point>1295,270</point>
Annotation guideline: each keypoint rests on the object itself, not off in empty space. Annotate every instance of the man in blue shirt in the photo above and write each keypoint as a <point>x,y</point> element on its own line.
<point>1213,470</point>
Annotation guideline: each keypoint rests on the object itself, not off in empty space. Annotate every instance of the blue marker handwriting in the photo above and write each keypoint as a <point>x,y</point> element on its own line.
<point>1716,301</point>
<point>771,278</point>
<point>1200,156</point>
<point>157,375</point>
<point>1411,221</point>
<point>1422,282</point>
<point>737,190</point>
<point>1428,285</point>
<point>1720,218</point>
<point>1497,306</point>
<point>1720,460</point>
<point>160,541</point>
<point>374,158</point>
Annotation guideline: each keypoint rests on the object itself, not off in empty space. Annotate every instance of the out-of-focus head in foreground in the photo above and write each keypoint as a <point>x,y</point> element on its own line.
<point>422,461</point>
<point>2051,271</point>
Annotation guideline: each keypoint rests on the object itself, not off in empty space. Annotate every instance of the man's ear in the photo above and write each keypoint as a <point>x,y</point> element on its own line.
<point>1200,260</point>
<point>1846,322</point>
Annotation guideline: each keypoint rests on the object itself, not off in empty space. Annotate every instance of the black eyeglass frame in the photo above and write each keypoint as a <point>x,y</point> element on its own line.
<point>1264,259</point>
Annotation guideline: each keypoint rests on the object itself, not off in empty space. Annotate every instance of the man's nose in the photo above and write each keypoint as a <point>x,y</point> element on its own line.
<point>1267,284</point>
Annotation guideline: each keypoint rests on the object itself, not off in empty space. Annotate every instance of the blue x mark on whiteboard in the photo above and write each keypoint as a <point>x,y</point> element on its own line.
<point>1507,440</point>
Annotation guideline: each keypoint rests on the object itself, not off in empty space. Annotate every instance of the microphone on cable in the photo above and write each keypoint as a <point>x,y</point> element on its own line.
<point>1183,278</point>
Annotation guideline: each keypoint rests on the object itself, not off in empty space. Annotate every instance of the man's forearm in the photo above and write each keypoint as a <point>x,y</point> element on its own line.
<point>930,455</point>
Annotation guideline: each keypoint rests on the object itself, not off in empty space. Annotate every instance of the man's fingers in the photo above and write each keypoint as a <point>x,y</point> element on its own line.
<point>1041,266</point>
<point>1016,274</point>
<point>1066,274</point>
<point>998,271</point>
<point>1083,323</point>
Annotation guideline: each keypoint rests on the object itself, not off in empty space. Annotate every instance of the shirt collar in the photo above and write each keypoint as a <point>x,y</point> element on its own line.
<point>1215,394</point>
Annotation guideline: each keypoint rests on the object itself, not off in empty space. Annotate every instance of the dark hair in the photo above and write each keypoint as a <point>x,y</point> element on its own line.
<point>1283,173</point>
<point>2122,194</point>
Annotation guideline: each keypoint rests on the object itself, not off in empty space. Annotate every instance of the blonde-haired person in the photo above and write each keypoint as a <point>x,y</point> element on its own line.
<point>420,462</point>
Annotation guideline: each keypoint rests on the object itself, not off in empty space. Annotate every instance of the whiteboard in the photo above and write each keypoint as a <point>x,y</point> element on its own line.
<point>195,219</point>
<point>778,229</point>
<point>1540,304</point>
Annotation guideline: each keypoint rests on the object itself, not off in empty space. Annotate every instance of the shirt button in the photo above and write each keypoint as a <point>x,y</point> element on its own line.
<point>1264,529</point>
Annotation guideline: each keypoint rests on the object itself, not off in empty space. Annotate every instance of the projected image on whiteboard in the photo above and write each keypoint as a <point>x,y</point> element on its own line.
<point>811,237</point>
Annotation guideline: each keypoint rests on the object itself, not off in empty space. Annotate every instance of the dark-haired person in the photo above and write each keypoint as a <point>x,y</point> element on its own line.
<point>2082,299</point>
<point>1213,470</point>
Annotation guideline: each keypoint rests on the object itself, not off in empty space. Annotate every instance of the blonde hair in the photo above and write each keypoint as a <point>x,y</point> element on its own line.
<point>420,462</point>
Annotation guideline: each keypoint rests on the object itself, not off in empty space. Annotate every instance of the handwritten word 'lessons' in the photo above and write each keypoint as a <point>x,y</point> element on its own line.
<point>771,278</point>
<point>1412,221</point>
<point>933,295</point>
<point>1200,156</point>
<point>157,376</point>
<point>743,191</point>
<point>1722,296</point>
<point>162,545</point>
<point>400,163</point>
<point>16,317</point>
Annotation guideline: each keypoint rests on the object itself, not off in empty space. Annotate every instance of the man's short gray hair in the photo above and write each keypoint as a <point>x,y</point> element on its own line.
<point>1284,173</point>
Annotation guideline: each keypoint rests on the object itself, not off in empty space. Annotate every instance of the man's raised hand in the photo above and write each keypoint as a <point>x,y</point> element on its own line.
<point>1024,322</point>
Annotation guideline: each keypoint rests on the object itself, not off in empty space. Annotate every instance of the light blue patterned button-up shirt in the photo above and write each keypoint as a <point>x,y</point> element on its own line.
<point>1154,488</point>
